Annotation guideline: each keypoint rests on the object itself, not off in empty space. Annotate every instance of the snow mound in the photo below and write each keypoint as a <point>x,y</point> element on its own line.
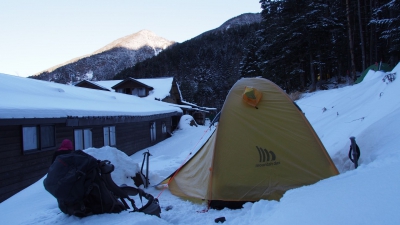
<point>186,122</point>
<point>124,166</point>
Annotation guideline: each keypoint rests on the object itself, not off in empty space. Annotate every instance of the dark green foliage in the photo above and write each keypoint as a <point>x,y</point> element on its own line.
<point>387,18</point>
<point>303,43</point>
<point>297,35</point>
<point>300,45</point>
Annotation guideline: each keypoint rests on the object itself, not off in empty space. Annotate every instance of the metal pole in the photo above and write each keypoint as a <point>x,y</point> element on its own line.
<point>146,156</point>
<point>147,169</point>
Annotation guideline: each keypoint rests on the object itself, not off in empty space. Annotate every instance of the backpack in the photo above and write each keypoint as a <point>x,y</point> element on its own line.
<point>83,186</point>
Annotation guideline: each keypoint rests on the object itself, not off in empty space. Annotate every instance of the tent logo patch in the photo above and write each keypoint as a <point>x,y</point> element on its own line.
<point>266,158</point>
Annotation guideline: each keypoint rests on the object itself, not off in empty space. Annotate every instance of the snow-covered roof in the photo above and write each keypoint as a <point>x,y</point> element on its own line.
<point>107,83</point>
<point>31,98</point>
<point>92,83</point>
<point>162,86</point>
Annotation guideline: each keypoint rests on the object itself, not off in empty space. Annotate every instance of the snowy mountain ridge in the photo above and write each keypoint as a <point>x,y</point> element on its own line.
<point>124,52</point>
<point>104,63</point>
<point>136,41</point>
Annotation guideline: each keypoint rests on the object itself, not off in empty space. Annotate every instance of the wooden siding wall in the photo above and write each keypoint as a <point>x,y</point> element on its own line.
<point>97,137</point>
<point>19,170</point>
<point>132,137</point>
<point>131,85</point>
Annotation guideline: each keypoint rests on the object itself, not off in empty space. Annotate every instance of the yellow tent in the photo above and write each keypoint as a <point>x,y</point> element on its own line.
<point>259,150</point>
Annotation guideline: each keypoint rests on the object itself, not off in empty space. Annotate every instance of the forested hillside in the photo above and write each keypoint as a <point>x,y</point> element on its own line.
<point>205,67</point>
<point>299,45</point>
<point>301,41</point>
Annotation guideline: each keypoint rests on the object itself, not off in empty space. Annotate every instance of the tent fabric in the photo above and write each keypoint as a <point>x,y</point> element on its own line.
<point>255,153</point>
<point>197,170</point>
<point>383,67</point>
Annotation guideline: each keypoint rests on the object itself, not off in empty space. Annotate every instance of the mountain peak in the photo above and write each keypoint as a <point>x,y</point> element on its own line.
<point>138,40</point>
<point>133,43</point>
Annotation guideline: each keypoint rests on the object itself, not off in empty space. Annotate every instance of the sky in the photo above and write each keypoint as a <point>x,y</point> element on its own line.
<point>37,35</point>
<point>370,194</point>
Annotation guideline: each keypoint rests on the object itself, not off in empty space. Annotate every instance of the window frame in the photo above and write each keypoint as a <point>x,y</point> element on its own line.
<point>38,137</point>
<point>164,128</point>
<point>83,139</point>
<point>139,91</point>
<point>109,136</point>
<point>135,92</point>
<point>142,92</point>
<point>153,131</point>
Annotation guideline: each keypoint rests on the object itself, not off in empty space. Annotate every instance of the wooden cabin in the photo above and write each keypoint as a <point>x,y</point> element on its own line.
<point>133,87</point>
<point>161,89</point>
<point>31,131</point>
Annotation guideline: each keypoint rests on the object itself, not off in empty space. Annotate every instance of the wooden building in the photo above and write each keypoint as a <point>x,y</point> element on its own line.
<point>31,130</point>
<point>161,89</point>
<point>133,87</point>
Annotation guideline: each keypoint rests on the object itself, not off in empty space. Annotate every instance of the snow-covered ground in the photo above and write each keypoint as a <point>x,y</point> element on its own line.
<point>370,194</point>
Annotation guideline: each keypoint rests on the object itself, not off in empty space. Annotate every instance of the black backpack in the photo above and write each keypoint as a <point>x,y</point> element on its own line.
<point>83,186</point>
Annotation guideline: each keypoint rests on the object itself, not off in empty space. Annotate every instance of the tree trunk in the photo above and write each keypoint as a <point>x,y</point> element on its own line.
<point>353,65</point>
<point>393,56</point>
<point>302,77</point>
<point>372,59</point>
<point>313,82</point>
<point>361,35</point>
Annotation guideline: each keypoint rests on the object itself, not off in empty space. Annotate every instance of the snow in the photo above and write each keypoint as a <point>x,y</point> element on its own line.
<point>370,194</point>
<point>137,41</point>
<point>30,98</point>
<point>107,83</point>
<point>162,86</point>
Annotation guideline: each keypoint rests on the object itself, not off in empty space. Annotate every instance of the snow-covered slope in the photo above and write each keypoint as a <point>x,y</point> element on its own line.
<point>370,194</point>
<point>138,40</point>
<point>104,63</point>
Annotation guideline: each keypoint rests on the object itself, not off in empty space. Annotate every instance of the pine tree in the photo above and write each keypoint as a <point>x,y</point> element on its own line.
<point>249,66</point>
<point>387,17</point>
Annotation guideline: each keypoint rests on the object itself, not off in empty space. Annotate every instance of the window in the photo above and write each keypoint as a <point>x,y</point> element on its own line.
<point>164,128</point>
<point>38,137</point>
<point>135,92</point>
<point>141,92</point>
<point>30,141</point>
<point>109,136</point>
<point>153,131</point>
<point>47,136</point>
<point>83,139</point>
